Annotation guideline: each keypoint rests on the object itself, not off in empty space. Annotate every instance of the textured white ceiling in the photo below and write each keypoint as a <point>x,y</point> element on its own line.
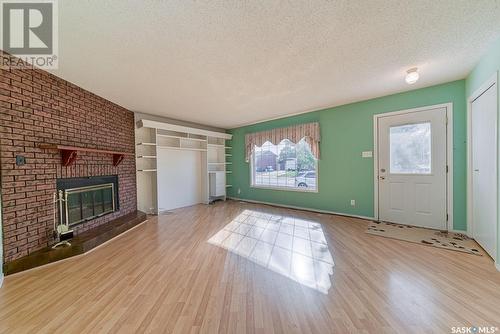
<point>229,63</point>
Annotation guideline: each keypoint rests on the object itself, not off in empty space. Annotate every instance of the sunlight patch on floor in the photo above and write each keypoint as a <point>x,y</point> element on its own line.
<point>295,248</point>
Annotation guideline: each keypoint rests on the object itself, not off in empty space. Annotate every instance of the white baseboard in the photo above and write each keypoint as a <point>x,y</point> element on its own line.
<point>321,211</point>
<point>1,280</point>
<point>460,231</point>
<point>302,208</point>
<point>497,265</point>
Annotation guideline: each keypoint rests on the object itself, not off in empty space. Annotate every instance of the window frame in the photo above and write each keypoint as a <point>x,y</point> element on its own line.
<point>278,188</point>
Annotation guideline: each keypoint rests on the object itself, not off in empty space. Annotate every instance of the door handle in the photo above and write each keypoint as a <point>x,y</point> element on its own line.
<point>476,170</point>
<point>382,177</point>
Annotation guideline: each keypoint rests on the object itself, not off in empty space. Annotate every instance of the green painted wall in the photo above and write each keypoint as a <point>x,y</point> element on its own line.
<point>487,66</point>
<point>346,131</point>
<point>484,70</point>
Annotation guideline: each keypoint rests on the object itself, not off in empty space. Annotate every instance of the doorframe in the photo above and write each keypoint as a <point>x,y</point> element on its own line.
<point>449,156</point>
<point>1,240</point>
<point>477,93</point>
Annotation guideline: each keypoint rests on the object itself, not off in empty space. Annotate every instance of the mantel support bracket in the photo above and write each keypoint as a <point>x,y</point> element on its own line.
<point>68,157</point>
<point>117,159</point>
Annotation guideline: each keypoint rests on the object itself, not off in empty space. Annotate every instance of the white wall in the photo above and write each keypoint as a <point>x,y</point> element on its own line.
<point>179,178</point>
<point>146,192</point>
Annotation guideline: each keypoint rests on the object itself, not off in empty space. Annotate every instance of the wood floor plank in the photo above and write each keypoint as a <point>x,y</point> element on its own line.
<point>172,274</point>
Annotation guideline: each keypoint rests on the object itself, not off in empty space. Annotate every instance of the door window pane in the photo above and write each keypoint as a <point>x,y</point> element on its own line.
<point>410,148</point>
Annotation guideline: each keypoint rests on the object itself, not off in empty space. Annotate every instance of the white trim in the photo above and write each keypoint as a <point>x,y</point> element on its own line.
<point>459,231</point>
<point>497,265</point>
<point>375,167</point>
<point>478,92</point>
<point>79,255</point>
<point>179,128</point>
<point>301,208</point>
<point>449,156</point>
<point>450,164</point>
<point>284,188</point>
<point>1,280</point>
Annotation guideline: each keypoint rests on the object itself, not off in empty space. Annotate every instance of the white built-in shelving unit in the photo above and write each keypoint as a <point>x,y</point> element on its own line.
<point>168,176</point>
<point>216,168</point>
<point>229,164</point>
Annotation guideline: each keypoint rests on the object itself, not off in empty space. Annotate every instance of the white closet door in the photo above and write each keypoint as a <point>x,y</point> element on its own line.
<point>484,169</point>
<point>179,178</point>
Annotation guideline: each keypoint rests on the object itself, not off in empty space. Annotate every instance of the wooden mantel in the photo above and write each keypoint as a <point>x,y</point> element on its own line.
<point>70,153</point>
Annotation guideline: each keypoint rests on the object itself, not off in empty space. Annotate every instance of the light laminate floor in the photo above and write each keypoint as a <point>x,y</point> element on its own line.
<point>246,268</point>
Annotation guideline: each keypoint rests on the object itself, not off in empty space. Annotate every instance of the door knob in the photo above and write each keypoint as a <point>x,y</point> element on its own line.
<point>382,177</point>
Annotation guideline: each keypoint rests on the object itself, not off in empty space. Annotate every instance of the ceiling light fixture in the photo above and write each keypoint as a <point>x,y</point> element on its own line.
<point>411,76</point>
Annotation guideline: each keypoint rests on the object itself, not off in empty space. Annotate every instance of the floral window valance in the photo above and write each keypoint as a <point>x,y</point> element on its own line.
<point>309,131</point>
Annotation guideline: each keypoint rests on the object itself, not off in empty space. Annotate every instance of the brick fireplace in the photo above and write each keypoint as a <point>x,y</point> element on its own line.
<point>39,108</point>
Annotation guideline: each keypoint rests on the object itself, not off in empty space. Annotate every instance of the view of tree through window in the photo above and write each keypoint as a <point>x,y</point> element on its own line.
<point>285,165</point>
<point>410,151</point>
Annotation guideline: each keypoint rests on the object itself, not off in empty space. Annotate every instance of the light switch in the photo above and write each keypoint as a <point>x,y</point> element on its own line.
<point>367,154</point>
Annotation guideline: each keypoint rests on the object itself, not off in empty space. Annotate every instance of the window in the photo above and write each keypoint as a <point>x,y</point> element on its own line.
<point>286,165</point>
<point>410,151</point>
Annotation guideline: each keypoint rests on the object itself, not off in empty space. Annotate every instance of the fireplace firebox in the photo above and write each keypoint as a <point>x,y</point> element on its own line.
<point>84,199</point>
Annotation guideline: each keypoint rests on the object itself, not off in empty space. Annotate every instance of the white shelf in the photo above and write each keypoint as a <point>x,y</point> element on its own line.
<point>183,148</point>
<point>229,185</point>
<point>151,136</point>
<point>228,163</point>
<point>229,172</point>
<point>195,139</point>
<point>228,147</point>
<point>178,128</point>
<point>228,155</point>
<point>179,137</point>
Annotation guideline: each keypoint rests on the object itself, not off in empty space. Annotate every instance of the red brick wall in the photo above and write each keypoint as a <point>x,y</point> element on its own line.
<point>37,107</point>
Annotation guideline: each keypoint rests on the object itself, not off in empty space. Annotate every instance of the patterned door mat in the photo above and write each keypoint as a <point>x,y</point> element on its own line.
<point>424,236</point>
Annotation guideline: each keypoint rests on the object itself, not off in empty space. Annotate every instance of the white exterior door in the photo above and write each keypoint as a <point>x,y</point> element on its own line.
<point>484,169</point>
<point>412,168</point>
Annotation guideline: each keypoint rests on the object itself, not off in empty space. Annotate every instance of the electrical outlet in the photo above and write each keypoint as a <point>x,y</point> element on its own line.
<point>239,191</point>
<point>20,160</point>
<point>353,202</point>
<point>367,154</point>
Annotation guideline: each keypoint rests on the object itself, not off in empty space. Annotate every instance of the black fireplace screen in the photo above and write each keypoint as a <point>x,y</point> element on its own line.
<point>87,203</point>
